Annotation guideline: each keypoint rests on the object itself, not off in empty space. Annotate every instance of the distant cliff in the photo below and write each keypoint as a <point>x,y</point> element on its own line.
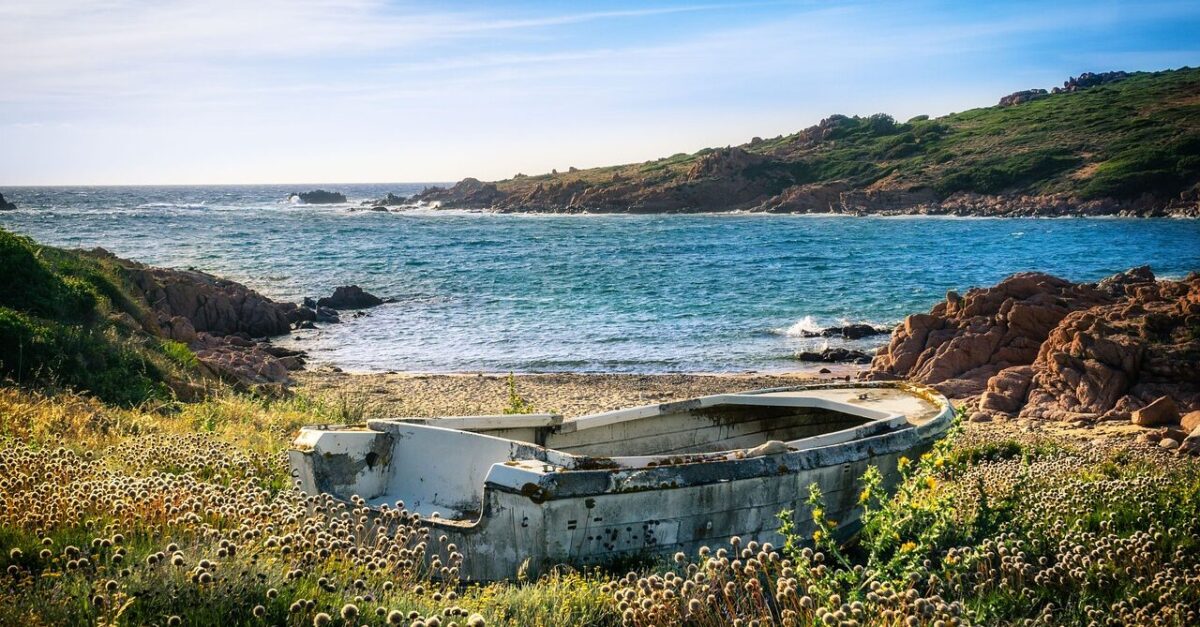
<point>1112,143</point>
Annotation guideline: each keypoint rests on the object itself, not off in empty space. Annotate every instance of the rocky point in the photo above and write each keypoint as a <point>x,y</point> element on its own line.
<point>1038,347</point>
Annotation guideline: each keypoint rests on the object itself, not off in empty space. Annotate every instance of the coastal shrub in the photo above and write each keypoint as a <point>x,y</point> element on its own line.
<point>1001,173</point>
<point>27,285</point>
<point>76,356</point>
<point>517,404</point>
<point>1140,168</point>
<point>179,353</point>
<point>57,312</point>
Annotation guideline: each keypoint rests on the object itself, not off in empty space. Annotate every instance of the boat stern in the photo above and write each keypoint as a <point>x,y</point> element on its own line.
<point>342,461</point>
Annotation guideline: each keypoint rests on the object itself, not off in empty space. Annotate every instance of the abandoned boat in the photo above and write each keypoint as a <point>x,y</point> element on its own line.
<point>537,490</point>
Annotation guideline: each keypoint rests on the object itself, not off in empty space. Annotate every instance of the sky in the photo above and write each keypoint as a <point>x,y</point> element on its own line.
<point>294,91</point>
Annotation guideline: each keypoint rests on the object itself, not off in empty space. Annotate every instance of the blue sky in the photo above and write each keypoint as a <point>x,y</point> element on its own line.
<point>233,91</point>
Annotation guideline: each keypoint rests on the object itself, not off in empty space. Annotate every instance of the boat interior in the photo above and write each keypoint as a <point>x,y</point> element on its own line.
<point>455,457</point>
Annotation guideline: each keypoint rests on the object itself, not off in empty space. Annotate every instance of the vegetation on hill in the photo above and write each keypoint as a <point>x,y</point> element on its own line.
<point>68,319</point>
<point>1116,142</point>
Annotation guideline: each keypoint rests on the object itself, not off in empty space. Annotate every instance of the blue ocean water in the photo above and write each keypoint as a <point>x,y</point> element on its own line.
<point>492,292</point>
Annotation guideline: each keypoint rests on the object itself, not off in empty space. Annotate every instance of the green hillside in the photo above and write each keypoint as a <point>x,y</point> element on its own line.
<point>71,320</point>
<point>1119,140</point>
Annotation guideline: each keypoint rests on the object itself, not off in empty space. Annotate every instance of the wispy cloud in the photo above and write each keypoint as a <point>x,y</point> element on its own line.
<point>496,88</point>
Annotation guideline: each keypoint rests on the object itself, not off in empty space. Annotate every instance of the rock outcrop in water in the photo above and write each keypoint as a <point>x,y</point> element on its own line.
<point>1036,346</point>
<point>835,355</point>
<point>391,200</point>
<point>349,297</point>
<point>6,205</point>
<point>848,332</point>
<point>319,197</point>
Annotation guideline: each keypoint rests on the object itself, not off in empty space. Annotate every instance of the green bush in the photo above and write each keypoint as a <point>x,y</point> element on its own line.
<point>26,284</point>
<point>78,357</point>
<point>1004,173</point>
<point>55,327</point>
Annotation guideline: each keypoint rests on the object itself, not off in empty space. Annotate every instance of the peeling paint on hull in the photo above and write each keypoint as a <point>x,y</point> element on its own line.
<point>639,482</point>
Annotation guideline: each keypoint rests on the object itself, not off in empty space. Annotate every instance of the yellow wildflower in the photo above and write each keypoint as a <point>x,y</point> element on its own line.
<point>865,496</point>
<point>931,483</point>
<point>817,535</point>
<point>908,546</point>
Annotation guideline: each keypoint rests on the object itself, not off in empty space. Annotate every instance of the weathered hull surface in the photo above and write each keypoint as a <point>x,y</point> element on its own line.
<point>545,492</point>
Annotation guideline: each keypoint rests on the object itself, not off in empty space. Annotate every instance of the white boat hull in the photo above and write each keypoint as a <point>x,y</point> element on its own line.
<point>510,503</point>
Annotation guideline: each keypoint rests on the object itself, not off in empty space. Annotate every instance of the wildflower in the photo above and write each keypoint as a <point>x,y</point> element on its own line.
<point>322,619</point>
<point>908,546</point>
<point>931,483</point>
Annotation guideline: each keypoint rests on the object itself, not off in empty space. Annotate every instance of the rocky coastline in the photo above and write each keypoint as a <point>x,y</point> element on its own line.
<point>1036,347</point>
<point>229,326</point>
<point>1103,144</point>
<point>731,194</point>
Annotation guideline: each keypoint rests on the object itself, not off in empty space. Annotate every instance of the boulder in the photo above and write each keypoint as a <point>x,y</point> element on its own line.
<point>835,355</point>
<point>1005,392</point>
<point>849,332</point>
<point>1191,444</point>
<point>1019,97</point>
<point>1190,421</point>
<point>302,314</point>
<point>6,205</point>
<point>177,328</point>
<point>246,366</point>
<point>1161,412</point>
<point>350,297</point>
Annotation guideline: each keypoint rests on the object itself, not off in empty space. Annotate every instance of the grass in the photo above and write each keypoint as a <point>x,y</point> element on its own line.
<point>70,320</point>
<point>133,515</point>
<point>1140,135</point>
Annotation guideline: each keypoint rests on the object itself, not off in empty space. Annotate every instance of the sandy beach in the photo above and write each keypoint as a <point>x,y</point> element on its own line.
<point>410,394</point>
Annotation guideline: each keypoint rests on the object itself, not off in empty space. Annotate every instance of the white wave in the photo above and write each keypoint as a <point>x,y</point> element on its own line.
<point>803,326</point>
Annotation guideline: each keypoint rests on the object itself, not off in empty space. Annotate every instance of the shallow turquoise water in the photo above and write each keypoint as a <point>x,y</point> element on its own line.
<point>583,293</point>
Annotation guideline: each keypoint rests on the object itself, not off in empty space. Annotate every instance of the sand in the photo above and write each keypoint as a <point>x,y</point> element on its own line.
<point>408,394</point>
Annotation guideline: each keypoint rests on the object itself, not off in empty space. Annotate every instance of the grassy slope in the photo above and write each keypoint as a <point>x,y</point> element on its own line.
<point>71,320</point>
<point>1119,140</point>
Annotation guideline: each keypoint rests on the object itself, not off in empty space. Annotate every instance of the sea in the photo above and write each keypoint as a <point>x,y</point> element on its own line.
<point>489,292</point>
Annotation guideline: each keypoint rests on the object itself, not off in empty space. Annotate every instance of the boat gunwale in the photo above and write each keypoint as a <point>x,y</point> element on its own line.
<point>542,480</point>
<point>563,483</point>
